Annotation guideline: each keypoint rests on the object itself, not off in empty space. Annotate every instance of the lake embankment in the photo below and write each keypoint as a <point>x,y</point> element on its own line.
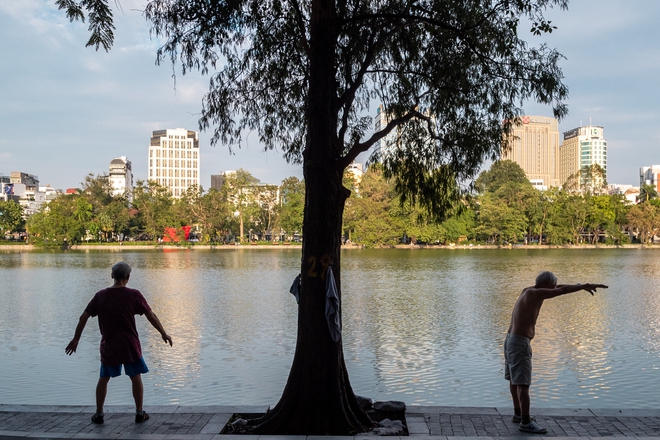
<point>132,247</point>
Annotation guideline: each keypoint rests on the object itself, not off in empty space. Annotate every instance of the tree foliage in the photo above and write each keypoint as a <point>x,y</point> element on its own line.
<point>11,217</point>
<point>499,173</point>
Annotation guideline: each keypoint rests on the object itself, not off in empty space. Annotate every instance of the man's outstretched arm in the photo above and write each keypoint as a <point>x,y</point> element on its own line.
<point>153,319</point>
<point>73,345</point>
<point>563,289</point>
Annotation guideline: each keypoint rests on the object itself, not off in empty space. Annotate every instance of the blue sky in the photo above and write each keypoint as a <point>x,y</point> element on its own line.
<point>67,110</point>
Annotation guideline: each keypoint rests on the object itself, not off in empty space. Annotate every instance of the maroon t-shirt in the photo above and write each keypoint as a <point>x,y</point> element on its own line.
<point>116,309</point>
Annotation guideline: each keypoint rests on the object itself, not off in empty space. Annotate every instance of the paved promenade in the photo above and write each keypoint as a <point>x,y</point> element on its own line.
<point>205,423</point>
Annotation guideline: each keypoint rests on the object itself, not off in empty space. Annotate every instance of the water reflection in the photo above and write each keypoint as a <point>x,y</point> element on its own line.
<point>423,326</point>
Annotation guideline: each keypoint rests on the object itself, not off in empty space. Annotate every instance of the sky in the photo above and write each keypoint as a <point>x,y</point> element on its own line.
<point>67,110</point>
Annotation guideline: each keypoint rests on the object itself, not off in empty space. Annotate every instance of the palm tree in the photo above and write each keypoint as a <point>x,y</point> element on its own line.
<point>647,192</point>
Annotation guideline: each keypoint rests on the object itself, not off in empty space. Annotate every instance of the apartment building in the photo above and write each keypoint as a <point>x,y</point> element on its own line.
<point>174,160</point>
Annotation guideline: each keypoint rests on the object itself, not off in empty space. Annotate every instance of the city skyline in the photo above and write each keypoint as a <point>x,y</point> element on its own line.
<point>68,110</point>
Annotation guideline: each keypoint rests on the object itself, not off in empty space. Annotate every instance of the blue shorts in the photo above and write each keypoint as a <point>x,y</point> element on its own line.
<point>132,369</point>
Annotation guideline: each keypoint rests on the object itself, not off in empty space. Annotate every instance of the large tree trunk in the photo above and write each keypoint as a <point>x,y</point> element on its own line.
<point>318,398</point>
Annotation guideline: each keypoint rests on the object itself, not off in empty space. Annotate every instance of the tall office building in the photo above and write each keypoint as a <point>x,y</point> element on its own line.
<point>121,177</point>
<point>534,145</point>
<point>582,146</point>
<point>174,159</point>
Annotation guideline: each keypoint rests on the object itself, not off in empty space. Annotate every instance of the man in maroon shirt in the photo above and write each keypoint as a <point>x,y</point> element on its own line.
<point>116,308</point>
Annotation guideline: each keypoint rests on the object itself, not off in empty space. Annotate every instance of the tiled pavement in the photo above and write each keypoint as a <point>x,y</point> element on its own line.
<point>205,423</point>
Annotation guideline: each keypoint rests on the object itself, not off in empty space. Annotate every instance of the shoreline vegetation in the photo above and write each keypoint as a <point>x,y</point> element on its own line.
<point>158,246</point>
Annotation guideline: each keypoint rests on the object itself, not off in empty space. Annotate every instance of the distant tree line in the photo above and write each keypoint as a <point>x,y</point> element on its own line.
<point>504,207</point>
<point>240,211</point>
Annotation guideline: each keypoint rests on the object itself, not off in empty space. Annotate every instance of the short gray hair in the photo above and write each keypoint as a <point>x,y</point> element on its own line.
<point>121,271</point>
<point>545,279</point>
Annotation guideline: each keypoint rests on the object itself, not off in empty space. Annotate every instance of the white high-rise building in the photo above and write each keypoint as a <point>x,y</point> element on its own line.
<point>174,159</point>
<point>582,146</point>
<point>120,176</point>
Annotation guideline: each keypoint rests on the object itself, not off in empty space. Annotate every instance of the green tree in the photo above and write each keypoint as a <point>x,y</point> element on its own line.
<point>97,190</point>
<point>292,198</point>
<point>266,217</point>
<point>500,172</point>
<point>373,217</point>
<point>461,225</point>
<point>500,222</point>
<point>644,220</point>
<point>301,74</point>
<point>590,179</point>
<point>240,191</point>
<point>11,217</point>
<point>647,192</point>
<point>154,209</point>
<point>119,216</point>
<point>209,210</point>
<point>63,221</point>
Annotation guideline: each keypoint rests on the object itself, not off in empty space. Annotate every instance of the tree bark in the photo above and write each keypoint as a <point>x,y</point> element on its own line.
<point>318,398</point>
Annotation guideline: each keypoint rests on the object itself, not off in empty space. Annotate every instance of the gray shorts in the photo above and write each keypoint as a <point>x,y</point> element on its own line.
<point>518,359</point>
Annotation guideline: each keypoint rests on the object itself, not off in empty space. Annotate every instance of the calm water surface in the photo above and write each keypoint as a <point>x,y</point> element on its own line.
<point>421,326</point>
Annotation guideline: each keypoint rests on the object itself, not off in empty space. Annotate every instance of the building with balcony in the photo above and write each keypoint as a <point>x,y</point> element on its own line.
<point>120,176</point>
<point>534,145</point>
<point>174,160</point>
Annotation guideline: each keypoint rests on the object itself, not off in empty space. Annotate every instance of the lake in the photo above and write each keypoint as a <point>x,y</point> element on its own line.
<point>424,326</point>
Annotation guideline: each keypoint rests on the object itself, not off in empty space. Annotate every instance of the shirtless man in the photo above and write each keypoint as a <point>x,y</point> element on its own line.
<point>517,348</point>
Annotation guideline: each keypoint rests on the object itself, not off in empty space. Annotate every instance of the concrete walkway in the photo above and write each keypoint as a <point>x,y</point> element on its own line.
<point>205,423</point>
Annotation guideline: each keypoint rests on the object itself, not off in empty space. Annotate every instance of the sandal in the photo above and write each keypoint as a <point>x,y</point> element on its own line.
<point>98,419</point>
<point>139,418</point>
